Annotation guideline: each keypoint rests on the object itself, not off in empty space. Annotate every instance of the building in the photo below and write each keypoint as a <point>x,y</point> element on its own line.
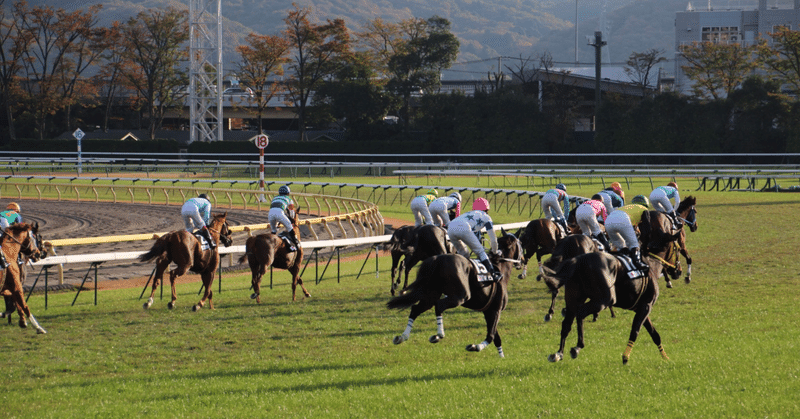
<point>731,26</point>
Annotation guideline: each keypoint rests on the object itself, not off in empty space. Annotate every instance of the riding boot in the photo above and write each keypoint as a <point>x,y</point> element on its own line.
<point>676,223</point>
<point>636,257</point>
<point>603,241</point>
<point>3,261</point>
<point>295,239</point>
<point>496,275</point>
<point>563,222</point>
<point>207,235</point>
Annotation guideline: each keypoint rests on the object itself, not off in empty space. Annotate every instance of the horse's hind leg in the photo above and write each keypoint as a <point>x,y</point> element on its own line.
<point>296,280</point>
<point>566,326</point>
<point>158,277</point>
<point>492,318</point>
<point>208,291</point>
<point>640,317</point>
<point>688,277</point>
<point>551,311</point>
<point>648,325</point>
<point>416,310</point>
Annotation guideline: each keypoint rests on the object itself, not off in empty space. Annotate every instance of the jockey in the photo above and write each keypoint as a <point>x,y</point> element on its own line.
<point>466,230</point>
<point>660,198</point>
<point>612,197</point>
<point>618,189</point>
<point>419,207</point>
<point>619,226</point>
<point>550,206</point>
<point>586,216</point>
<point>196,212</point>
<point>8,217</point>
<point>278,209</point>
<point>440,207</point>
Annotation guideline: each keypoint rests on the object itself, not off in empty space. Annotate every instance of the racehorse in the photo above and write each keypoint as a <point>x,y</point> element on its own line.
<point>573,245</point>
<point>396,245</point>
<point>426,241</point>
<point>540,237</point>
<point>19,238</point>
<point>25,255</point>
<point>456,277</point>
<point>600,278</point>
<point>270,250</point>
<point>687,214</point>
<point>186,251</point>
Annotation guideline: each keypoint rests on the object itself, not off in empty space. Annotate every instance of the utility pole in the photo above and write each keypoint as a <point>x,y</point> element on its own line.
<point>576,32</point>
<point>598,48</point>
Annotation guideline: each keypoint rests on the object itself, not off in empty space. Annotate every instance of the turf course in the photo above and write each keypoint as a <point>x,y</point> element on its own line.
<point>732,336</point>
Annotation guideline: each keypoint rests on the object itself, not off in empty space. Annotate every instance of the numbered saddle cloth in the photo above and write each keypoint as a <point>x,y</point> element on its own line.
<point>483,274</point>
<point>200,238</point>
<point>288,240</point>
<point>628,267</point>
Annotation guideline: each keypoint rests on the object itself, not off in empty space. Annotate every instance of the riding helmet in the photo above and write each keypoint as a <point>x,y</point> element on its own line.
<point>641,200</point>
<point>597,197</point>
<point>433,192</point>
<point>673,184</point>
<point>13,206</point>
<point>480,204</point>
<point>284,190</point>
<point>456,195</point>
<point>562,186</point>
<point>202,195</point>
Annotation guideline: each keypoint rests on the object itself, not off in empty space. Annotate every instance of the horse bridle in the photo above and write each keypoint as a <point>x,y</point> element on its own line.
<point>517,262</point>
<point>686,220</point>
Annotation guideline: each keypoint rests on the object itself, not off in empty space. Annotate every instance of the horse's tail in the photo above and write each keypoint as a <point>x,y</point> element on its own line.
<point>416,290</point>
<point>243,259</point>
<point>558,279</point>
<point>159,248</point>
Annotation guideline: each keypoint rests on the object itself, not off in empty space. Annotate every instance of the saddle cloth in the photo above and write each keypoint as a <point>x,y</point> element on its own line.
<point>483,274</point>
<point>628,266</point>
<point>289,243</point>
<point>202,240</point>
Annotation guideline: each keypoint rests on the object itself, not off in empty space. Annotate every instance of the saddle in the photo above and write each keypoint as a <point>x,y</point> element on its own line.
<point>288,240</point>
<point>483,274</point>
<point>628,266</point>
<point>200,238</point>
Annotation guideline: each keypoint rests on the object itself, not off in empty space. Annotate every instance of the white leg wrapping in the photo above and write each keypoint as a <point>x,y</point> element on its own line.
<point>482,345</point>
<point>500,352</point>
<point>407,332</point>
<point>36,326</point>
<point>440,326</point>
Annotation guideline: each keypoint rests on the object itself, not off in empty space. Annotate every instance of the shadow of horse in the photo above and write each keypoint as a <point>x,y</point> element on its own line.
<point>185,250</point>
<point>451,280</point>
<point>600,278</point>
<point>541,237</point>
<point>425,241</point>
<point>19,238</point>
<point>269,249</point>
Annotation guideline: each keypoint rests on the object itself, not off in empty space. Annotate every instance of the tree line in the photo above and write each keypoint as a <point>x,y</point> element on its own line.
<point>60,70</point>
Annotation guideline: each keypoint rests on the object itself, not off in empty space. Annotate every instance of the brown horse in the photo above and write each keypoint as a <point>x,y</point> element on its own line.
<point>688,216</point>
<point>657,231</point>
<point>270,250</point>
<point>455,277</point>
<point>540,237</point>
<point>426,241</point>
<point>19,238</point>
<point>600,278</point>
<point>573,245</point>
<point>186,251</point>
<point>397,247</point>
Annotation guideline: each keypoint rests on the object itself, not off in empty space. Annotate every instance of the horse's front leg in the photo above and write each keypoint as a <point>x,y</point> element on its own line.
<point>161,266</point>
<point>257,271</point>
<point>396,263</point>
<point>551,310</point>
<point>492,319</point>
<point>640,317</point>
<point>688,277</point>
<point>648,325</point>
<point>173,276</point>
<point>208,292</point>
<point>296,280</point>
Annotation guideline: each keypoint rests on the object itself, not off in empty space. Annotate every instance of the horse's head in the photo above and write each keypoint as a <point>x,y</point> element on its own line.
<point>219,224</point>
<point>669,258</point>
<point>27,236</point>
<point>687,212</point>
<point>511,248</point>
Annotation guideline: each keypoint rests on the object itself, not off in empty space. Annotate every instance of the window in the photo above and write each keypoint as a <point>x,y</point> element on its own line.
<point>724,34</point>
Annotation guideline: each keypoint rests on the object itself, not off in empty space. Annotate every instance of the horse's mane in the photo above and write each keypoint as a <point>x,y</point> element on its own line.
<point>686,203</point>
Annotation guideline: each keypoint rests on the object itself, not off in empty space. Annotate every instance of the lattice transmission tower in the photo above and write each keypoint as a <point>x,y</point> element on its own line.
<point>205,70</point>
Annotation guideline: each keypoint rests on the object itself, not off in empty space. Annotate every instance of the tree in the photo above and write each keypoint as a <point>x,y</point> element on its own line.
<point>318,51</point>
<point>262,59</point>
<point>12,47</point>
<point>412,53</point>
<point>60,46</point>
<point>782,58</point>
<point>640,65</point>
<point>715,68</point>
<point>155,47</point>
<point>111,68</point>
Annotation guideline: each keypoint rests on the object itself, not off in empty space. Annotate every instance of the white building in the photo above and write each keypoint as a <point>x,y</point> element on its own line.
<point>729,25</point>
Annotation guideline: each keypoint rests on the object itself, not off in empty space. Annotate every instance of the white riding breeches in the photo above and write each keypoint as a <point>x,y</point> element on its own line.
<point>277,215</point>
<point>620,231</point>
<point>438,211</point>
<point>192,219</point>
<point>660,202</point>
<point>464,239</point>
<point>551,207</point>
<point>587,220</point>
<point>422,215</point>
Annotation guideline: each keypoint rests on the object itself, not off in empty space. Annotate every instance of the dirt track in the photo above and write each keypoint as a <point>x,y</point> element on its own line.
<point>67,219</point>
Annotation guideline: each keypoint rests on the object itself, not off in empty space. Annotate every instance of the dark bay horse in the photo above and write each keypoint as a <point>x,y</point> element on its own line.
<point>397,247</point>
<point>19,238</point>
<point>425,241</point>
<point>599,278</point>
<point>183,248</point>
<point>572,245</point>
<point>687,214</point>
<point>657,230</point>
<point>540,237</point>
<point>455,277</point>
<point>269,249</point>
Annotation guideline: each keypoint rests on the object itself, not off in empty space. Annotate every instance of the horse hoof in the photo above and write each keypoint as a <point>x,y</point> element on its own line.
<point>574,352</point>
<point>435,339</point>
<point>41,331</point>
<point>253,296</point>
<point>473,348</point>
<point>146,306</point>
<point>195,307</point>
<point>548,317</point>
<point>555,357</point>
<point>669,284</point>
<point>398,339</point>
<point>624,360</point>
<point>521,276</point>
<point>170,305</point>
<point>22,323</point>
<point>688,279</point>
